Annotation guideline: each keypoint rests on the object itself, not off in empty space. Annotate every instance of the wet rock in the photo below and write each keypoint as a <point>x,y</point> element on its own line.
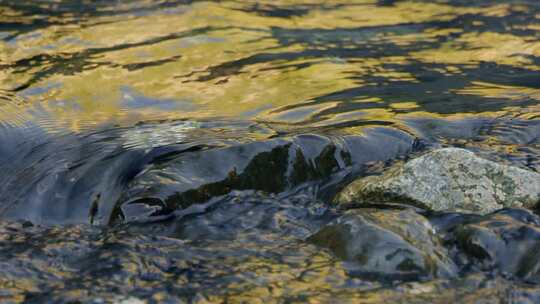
<point>449,179</point>
<point>507,241</point>
<point>193,178</point>
<point>398,244</point>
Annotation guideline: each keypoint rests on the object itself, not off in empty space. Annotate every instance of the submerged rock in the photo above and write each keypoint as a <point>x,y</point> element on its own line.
<point>449,179</point>
<point>508,240</point>
<point>191,179</point>
<point>398,244</point>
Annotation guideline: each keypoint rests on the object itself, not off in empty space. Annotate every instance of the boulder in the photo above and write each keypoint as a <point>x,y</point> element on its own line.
<point>448,179</point>
<point>398,244</point>
<point>507,241</point>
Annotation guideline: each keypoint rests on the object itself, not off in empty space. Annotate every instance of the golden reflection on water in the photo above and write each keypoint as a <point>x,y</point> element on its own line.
<point>232,60</point>
<point>491,47</point>
<point>498,91</point>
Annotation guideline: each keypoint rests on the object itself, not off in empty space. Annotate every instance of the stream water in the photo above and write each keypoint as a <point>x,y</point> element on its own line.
<point>171,151</point>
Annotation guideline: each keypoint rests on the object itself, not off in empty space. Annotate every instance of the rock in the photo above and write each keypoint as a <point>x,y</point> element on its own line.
<point>449,179</point>
<point>399,244</point>
<point>508,241</point>
<point>182,180</point>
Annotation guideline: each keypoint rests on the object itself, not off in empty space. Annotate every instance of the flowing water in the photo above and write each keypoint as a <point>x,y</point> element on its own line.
<point>184,151</point>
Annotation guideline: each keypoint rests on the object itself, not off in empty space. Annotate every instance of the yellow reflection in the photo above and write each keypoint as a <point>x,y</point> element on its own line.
<point>404,105</point>
<point>488,46</point>
<point>500,91</point>
<point>222,60</point>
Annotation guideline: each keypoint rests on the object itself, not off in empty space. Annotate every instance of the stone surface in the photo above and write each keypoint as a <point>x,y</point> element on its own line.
<point>507,241</point>
<point>399,244</point>
<point>182,180</point>
<point>449,179</point>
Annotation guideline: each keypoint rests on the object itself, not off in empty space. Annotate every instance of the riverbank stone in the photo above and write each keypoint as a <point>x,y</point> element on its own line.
<point>449,179</point>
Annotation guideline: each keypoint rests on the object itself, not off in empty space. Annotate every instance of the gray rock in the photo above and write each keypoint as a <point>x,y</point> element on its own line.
<point>508,240</point>
<point>387,243</point>
<point>449,179</point>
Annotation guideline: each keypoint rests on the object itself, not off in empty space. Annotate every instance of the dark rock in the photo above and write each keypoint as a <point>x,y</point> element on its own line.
<point>272,166</point>
<point>392,243</point>
<point>508,241</point>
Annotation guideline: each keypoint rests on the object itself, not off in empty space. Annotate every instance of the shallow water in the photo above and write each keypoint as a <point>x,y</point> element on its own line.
<point>181,150</point>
